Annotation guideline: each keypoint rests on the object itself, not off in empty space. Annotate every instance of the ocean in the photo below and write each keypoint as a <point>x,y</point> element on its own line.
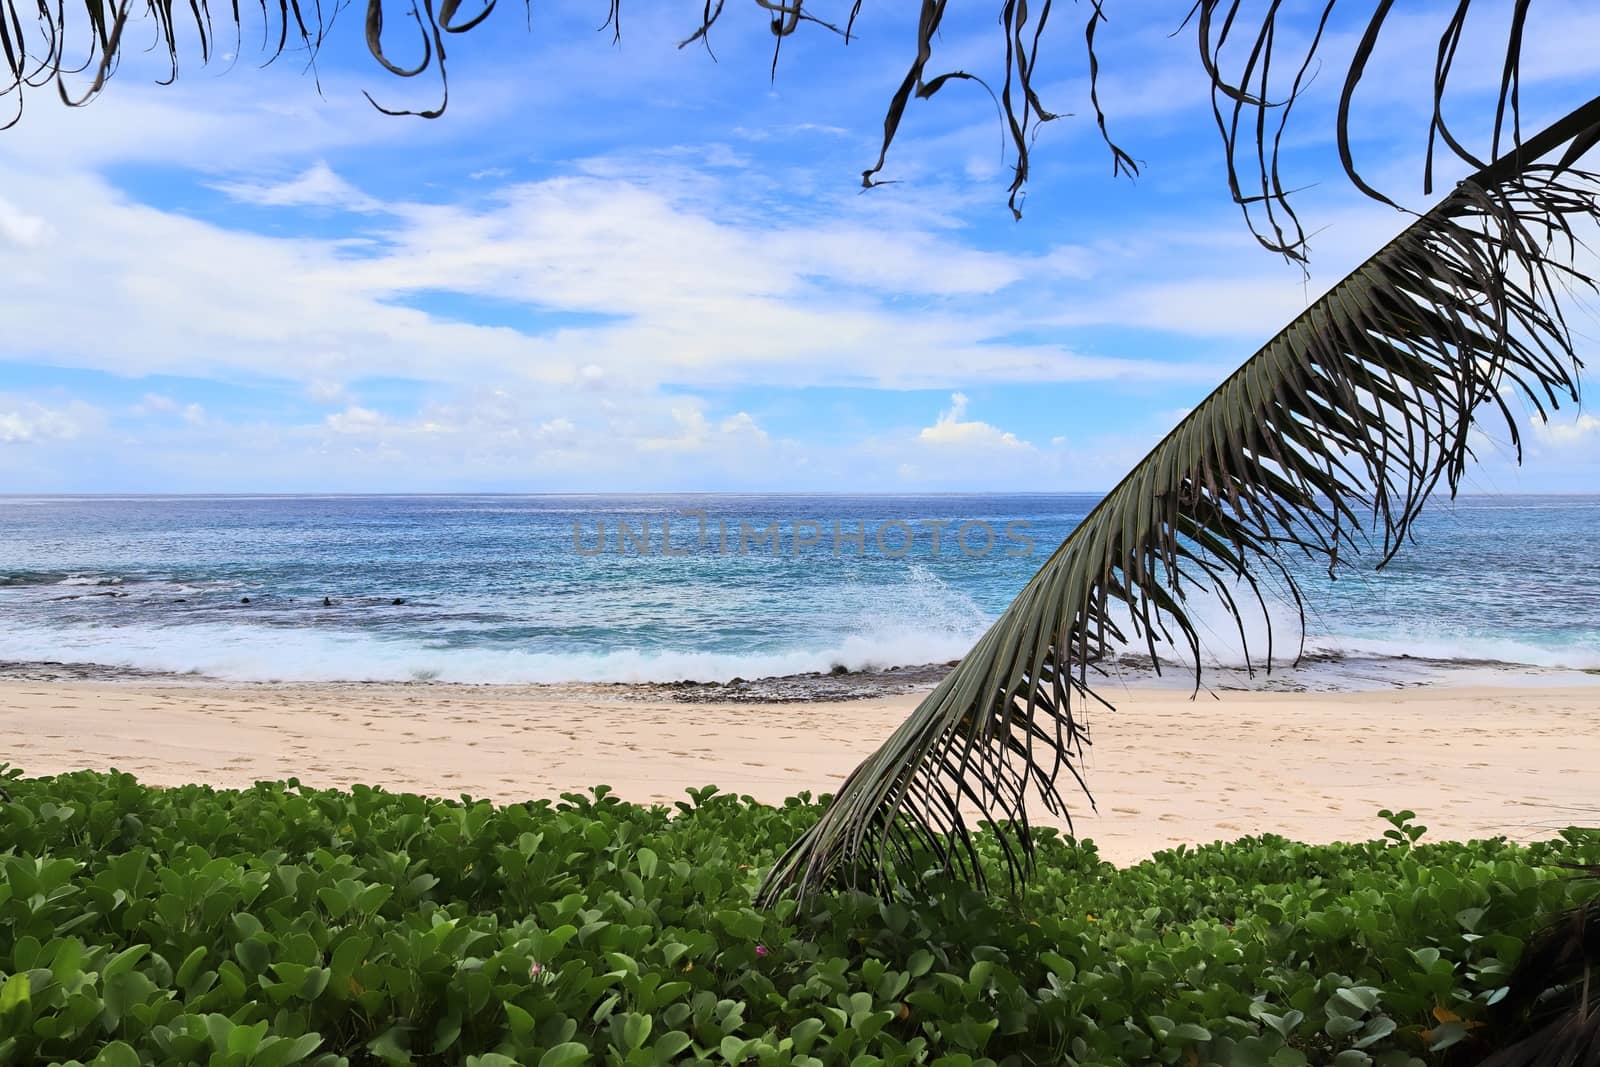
<point>547,589</point>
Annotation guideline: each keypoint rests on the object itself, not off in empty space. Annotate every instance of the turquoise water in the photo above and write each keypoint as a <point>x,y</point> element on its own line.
<point>498,589</point>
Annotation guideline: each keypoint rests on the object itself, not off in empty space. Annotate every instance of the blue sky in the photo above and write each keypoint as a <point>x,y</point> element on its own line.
<point>629,267</point>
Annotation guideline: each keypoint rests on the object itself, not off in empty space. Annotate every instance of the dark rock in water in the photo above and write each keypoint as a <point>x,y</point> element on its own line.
<point>53,671</point>
<point>181,600</point>
<point>838,669</point>
<point>398,601</point>
<point>244,600</point>
<point>811,687</point>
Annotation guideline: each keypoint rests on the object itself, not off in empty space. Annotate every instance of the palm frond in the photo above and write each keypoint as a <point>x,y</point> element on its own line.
<point>1253,112</point>
<point>1550,1015</point>
<point>1327,441</point>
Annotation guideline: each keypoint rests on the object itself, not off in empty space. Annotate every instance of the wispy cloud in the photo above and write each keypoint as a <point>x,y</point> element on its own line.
<point>679,295</point>
<point>33,423</point>
<point>18,227</point>
<point>317,186</point>
<point>626,292</point>
<point>1569,433</point>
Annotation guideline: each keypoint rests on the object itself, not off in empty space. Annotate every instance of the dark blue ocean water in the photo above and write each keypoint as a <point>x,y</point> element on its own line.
<point>497,588</point>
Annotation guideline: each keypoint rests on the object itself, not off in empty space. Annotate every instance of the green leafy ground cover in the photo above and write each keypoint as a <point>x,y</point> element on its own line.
<point>285,925</point>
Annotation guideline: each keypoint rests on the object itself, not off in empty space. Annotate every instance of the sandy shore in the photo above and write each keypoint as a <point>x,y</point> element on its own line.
<point>1165,769</point>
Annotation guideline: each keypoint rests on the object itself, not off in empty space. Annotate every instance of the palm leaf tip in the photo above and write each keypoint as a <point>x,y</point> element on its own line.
<point>1550,1012</point>
<point>1326,442</point>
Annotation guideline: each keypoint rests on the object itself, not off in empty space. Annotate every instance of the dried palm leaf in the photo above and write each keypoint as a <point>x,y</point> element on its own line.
<point>1326,441</point>
<point>1551,1010</point>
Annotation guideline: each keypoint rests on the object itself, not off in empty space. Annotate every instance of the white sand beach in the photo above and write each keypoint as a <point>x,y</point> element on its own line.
<point>1165,768</point>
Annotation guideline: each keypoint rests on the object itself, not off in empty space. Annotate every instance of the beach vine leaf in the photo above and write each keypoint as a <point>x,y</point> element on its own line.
<point>1325,443</point>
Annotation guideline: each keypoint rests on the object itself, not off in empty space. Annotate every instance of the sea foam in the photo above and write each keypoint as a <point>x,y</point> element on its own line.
<point>244,653</point>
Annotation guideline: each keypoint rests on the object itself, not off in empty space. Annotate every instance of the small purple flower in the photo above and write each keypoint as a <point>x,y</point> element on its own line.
<point>761,950</point>
<point>536,969</point>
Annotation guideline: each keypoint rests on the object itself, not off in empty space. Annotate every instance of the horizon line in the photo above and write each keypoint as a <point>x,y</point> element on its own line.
<point>378,494</point>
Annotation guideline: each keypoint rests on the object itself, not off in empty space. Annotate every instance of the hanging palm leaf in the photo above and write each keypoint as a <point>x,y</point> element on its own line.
<point>1550,1014</point>
<point>1241,44</point>
<point>1326,441</point>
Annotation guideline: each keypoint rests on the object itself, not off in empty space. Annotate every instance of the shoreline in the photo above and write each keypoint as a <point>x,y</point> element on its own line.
<point>1317,672</point>
<point>1165,768</point>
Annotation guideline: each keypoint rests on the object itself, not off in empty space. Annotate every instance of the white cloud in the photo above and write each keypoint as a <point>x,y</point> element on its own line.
<point>1569,433</point>
<point>951,429</point>
<point>747,133</point>
<point>354,420</point>
<point>677,294</point>
<point>318,186</point>
<point>1252,307</point>
<point>559,428</point>
<point>695,433</point>
<point>324,391</point>
<point>659,270</point>
<point>31,422</point>
<point>251,117</point>
<point>742,425</point>
<point>151,404</point>
<point>154,403</point>
<point>17,227</point>
<point>511,436</point>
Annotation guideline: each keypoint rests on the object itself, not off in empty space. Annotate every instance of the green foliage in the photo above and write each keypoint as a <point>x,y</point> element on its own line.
<point>284,925</point>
